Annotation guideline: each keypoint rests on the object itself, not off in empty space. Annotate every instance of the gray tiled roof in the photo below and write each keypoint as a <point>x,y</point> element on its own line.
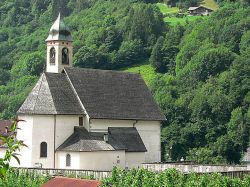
<point>128,137</point>
<point>113,94</point>
<point>104,94</point>
<point>51,95</point>
<point>81,140</point>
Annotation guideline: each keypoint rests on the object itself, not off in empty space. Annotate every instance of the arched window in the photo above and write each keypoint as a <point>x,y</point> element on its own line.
<point>65,56</point>
<point>43,149</point>
<point>68,160</point>
<point>52,55</point>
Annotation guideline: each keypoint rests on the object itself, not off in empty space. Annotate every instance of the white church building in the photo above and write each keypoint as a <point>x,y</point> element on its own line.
<point>89,119</point>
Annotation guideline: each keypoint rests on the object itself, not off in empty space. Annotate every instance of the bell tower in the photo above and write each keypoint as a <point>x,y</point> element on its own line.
<point>59,47</point>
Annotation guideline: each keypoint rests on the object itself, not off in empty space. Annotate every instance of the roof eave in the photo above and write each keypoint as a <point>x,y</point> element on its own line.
<point>139,119</point>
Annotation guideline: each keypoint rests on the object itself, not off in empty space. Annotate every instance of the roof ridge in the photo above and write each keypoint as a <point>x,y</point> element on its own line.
<point>103,70</point>
<point>75,92</point>
<point>44,76</point>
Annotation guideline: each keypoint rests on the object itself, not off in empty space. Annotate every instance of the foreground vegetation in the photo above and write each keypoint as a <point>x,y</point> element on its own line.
<point>170,178</point>
<point>18,178</point>
<point>134,178</point>
<point>198,72</point>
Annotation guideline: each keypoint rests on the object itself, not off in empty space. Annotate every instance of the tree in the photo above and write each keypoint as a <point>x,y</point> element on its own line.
<point>86,57</point>
<point>13,145</point>
<point>156,58</point>
<point>130,52</point>
<point>60,6</point>
<point>144,23</point>
<point>113,39</point>
<point>245,41</point>
<point>29,64</point>
<point>189,3</point>
<point>207,62</point>
<point>5,76</point>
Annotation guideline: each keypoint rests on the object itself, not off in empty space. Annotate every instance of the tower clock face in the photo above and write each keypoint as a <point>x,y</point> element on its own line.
<point>65,56</point>
<point>52,55</point>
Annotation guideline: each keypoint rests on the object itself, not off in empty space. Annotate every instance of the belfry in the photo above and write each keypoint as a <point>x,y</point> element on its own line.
<point>59,47</point>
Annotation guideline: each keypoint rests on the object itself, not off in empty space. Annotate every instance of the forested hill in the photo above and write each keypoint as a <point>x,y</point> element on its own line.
<point>203,67</point>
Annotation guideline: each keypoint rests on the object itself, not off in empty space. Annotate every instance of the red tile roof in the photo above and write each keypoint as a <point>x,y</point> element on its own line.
<point>70,182</point>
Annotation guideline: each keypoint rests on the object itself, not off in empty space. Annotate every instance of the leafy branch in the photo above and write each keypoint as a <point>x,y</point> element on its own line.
<point>13,145</point>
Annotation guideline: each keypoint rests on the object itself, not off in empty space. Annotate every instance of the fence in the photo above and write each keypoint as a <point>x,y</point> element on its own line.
<point>98,175</point>
<point>236,171</point>
<point>192,167</point>
<point>236,174</point>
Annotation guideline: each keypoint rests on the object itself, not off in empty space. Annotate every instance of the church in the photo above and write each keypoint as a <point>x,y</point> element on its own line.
<point>77,118</point>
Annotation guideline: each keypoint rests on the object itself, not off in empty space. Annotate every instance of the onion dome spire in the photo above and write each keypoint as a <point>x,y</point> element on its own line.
<point>59,31</point>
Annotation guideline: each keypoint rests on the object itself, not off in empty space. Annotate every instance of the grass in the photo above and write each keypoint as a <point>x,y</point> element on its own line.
<point>182,21</point>
<point>167,10</point>
<point>210,4</point>
<point>146,70</point>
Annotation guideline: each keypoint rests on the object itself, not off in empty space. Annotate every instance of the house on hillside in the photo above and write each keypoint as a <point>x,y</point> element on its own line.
<point>199,11</point>
<point>89,119</point>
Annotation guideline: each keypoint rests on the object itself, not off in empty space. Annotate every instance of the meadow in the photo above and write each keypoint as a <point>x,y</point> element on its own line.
<point>145,70</point>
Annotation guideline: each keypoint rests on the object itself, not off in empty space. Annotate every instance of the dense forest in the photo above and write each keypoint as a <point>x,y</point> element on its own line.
<point>203,67</point>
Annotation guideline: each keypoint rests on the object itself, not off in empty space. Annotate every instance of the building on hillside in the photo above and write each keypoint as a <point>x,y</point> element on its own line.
<point>88,119</point>
<point>199,11</point>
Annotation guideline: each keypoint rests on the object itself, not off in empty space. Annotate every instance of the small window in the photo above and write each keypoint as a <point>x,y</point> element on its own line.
<point>68,160</point>
<point>65,56</point>
<point>52,56</point>
<point>43,150</point>
<point>80,121</point>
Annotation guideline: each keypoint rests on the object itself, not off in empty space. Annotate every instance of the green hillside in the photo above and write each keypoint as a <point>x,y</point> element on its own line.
<point>167,10</point>
<point>211,4</point>
<point>198,70</point>
<point>145,70</point>
<point>175,20</point>
<point>105,33</point>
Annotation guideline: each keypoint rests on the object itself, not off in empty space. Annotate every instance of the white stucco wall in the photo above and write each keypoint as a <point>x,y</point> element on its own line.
<point>25,133</point>
<point>150,132</point>
<point>134,159</point>
<point>61,160</point>
<point>43,131</point>
<point>2,152</point>
<point>65,127</point>
<point>40,128</point>
<point>100,160</point>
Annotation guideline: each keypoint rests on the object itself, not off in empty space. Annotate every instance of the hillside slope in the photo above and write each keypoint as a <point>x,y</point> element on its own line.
<point>211,4</point>
<point>105,36</point>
